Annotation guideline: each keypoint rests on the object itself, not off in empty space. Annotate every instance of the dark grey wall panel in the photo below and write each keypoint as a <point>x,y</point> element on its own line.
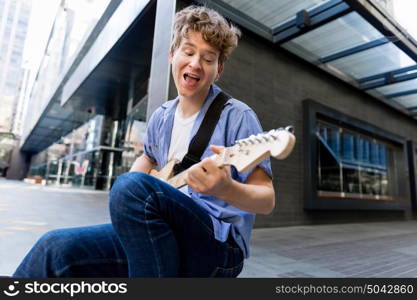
<point>19,165</point>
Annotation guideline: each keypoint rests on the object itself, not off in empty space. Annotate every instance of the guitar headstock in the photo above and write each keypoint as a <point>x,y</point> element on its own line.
<point>247,153</point>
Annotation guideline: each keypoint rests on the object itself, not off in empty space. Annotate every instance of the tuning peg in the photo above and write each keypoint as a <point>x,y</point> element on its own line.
<point>290,128</point>
<point>258,138</point>
<point>265,137</point>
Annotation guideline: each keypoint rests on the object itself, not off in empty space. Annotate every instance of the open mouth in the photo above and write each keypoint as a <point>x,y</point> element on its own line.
<point>191,78</point>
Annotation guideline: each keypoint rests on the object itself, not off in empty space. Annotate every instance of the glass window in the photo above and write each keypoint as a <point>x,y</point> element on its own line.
<point>397,87</point>
<point>10,84</point>
<point>355,165</point>
<point>15,61</point>
<point>406,101</point>
<point>385,58</point>
<point>327,39</point>
<point>329,159</point>
<point>273,13</point>
<point>134,134</point>
<point>7,32</point>
<point>23,23</point>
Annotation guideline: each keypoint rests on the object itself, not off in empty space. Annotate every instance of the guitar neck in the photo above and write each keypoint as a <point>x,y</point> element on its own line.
<point>244,155</point>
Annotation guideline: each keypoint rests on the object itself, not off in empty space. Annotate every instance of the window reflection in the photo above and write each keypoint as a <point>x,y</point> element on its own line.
<point>94,154</point>
<point>354,165</point>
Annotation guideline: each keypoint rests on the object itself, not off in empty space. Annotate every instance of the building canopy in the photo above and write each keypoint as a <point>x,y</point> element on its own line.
<point>355,40</point>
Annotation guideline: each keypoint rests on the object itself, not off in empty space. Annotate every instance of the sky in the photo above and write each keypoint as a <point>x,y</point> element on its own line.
<point>405,14</point>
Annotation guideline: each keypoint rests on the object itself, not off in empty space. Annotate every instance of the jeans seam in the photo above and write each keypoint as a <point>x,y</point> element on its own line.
<point>59,272</point>
<point>151,237</point>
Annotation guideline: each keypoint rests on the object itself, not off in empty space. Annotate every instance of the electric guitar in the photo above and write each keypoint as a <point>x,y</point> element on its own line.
<point>243,155</point>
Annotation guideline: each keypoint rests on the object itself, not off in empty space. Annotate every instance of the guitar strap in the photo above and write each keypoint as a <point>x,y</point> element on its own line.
<point>200,141</point>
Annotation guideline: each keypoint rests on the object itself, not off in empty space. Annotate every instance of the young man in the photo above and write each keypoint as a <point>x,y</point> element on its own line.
<point>157,230</point>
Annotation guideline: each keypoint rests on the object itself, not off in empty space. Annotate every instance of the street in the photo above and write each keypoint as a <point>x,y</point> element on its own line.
<point>383,249</point>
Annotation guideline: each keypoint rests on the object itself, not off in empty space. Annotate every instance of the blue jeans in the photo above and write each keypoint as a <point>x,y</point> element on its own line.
<point>156,231</point>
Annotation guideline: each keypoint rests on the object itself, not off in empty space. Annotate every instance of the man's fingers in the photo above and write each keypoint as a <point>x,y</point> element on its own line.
<point>197,174</point>
<point>209,165</point>
<point>192,182</point>
<point>216,149</point>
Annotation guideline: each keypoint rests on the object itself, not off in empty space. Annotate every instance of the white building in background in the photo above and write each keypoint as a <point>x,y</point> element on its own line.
<point>14,19</point>
<point>60,27</point>
<point>388,5</point>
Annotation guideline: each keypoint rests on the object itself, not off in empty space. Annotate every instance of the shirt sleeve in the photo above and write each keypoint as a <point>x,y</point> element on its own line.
<point>246,125</point>
<point>149,138</point>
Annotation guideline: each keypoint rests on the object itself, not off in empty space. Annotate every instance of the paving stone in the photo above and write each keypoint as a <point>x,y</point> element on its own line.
<point>410,250</point>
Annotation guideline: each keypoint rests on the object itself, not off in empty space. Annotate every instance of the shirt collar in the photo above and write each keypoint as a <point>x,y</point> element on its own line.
<point>170,107</point>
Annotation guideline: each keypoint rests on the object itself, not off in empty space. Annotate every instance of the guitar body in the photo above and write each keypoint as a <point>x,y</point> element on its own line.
<point>166,172</point>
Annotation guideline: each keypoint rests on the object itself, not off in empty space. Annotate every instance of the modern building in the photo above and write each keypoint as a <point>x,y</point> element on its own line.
<point>342,72</point>
<point>14,19</point>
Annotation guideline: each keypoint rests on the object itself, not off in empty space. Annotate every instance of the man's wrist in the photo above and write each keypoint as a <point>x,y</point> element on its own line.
<point>228,190</point>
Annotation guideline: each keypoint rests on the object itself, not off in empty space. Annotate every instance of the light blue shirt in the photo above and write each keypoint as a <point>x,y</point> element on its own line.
<point>237,121</point>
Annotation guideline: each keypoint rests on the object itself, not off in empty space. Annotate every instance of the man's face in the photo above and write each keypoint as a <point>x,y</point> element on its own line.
<point>195,66</point>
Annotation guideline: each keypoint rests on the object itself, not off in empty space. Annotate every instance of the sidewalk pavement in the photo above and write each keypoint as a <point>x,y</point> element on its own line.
<point>384,249</point>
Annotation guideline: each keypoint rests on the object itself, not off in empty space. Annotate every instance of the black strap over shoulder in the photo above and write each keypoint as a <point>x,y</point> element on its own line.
<point>200,141</point>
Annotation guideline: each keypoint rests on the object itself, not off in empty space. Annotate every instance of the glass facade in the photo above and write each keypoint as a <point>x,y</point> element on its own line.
<point>80,170</point>
<point>356,165</point>
<point>94,154</point>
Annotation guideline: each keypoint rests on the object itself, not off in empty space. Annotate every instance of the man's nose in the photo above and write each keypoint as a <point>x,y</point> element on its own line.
<point>195,62</point>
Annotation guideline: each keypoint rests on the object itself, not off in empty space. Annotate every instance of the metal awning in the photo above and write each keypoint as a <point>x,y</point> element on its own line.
<point>355,40</point>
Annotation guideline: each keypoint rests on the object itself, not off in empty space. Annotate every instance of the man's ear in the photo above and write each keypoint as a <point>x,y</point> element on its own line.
<point>170,56</point>
<point>220,71</point>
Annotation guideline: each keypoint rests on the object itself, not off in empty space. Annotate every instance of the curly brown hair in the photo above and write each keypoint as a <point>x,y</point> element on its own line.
<point>213,27</point>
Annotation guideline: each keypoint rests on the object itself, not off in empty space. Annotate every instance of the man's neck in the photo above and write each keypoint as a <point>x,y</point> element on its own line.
<point>189,106</point>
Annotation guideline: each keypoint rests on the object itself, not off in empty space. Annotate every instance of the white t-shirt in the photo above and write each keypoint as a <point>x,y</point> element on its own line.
<point>180,138</point>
